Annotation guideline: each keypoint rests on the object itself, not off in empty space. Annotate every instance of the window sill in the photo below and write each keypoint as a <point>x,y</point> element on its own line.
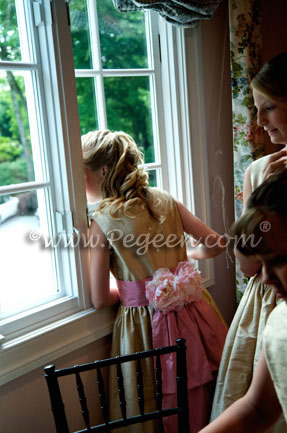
<point>41,347</point>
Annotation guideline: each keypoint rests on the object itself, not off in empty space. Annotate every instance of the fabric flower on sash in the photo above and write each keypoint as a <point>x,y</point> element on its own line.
<point>171,290</point>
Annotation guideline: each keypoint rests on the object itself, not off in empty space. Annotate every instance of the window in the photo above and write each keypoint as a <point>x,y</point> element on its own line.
<point>31,275</point>
<point>25,188</point>
<point>117,66</point>
<point>57,81</point>
<point>42,282</point>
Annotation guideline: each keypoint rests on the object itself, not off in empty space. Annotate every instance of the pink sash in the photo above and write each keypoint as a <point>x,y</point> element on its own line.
<point>204,333</point>
<point>132,293</point>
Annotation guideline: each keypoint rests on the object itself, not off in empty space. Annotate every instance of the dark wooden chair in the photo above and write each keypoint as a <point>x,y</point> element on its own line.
<point>182,410</point>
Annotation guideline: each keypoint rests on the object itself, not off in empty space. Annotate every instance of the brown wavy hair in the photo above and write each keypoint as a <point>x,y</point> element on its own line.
<point>125,183</point>
<point>272,77</point>
<point>269,198</point>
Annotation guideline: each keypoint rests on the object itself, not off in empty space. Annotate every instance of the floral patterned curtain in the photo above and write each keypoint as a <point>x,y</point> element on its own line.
<point>179,12</point>
<point>245,54</point>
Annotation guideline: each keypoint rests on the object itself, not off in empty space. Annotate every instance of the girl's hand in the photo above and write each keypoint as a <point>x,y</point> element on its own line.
<point>277,162</point>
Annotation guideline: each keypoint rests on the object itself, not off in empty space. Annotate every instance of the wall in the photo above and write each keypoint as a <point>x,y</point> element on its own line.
<point>274,35</point>
<point>25,404</point>
<point>218,111</point>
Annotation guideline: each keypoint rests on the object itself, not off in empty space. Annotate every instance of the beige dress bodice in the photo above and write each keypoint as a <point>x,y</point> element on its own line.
<point>256,171</point>
<point>138,243</point>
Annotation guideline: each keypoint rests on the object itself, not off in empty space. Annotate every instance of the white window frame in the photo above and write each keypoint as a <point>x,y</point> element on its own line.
<point>182,127</point>
<point>185,124</point>
<point>72,301</point>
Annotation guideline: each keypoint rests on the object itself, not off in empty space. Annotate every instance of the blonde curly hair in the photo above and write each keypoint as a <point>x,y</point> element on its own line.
<point>125,183</point>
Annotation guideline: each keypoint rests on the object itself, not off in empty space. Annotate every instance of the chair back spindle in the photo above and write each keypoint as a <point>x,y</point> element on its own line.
<point>121,391</point>
<point>57,404</point>
<point>102,396</point>
<point>139,375</point>
<point>83,400</point>
<point>158,384</point>
<point>182,392</point>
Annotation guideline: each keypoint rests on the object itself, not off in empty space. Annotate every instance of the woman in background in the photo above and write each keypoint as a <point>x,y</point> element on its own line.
<point>244,340</point>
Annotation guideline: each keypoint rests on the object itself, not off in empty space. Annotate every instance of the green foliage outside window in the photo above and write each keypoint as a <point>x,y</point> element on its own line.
<point>15,147</point>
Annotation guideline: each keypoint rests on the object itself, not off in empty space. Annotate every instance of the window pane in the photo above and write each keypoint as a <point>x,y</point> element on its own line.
<point>80,35</point>
<point>16,161</point>
<point>122,38</point>
<point>9,36</point>
<point>129,109</point>
<point>152,178</point>
<point>87,104</point>
<point>27,264</point>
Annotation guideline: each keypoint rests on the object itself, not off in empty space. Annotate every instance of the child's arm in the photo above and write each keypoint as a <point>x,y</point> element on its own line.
<point>102,295</point>
<point>210,243</point>
<point>257,411</point>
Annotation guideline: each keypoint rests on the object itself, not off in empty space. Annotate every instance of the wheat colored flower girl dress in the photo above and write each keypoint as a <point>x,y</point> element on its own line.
<point>139,246</point>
